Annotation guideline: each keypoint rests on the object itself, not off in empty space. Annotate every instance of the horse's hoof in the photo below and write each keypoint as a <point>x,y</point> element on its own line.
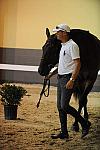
<point>75,127</point>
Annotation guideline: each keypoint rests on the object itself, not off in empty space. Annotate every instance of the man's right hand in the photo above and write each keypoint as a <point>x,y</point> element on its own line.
<point>48,76</point>
<point>51,74</point>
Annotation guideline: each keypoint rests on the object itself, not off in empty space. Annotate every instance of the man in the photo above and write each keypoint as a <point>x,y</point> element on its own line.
<point>68,69</point>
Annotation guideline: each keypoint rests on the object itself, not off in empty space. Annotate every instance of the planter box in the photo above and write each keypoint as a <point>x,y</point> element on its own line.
<point>10,112</point>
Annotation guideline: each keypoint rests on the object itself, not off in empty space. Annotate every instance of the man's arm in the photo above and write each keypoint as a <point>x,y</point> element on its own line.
<point>75,73</point>
<point>77,68</point>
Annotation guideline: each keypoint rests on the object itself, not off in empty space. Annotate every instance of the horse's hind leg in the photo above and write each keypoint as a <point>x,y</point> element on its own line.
<point>86,116</point>
<point>83,91</point>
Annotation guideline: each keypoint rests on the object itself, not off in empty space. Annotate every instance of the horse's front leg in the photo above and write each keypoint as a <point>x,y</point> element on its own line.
<point>75,126</point>
<point>82,104</point>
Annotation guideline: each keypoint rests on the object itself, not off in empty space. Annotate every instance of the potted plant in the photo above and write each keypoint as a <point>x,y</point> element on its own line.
<point>11,96</point>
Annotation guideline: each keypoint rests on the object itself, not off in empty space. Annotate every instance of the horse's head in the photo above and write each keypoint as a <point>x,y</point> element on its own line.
<point>50,54</point>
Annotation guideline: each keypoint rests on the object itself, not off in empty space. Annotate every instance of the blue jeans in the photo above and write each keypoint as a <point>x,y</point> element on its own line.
<point>63,100</point>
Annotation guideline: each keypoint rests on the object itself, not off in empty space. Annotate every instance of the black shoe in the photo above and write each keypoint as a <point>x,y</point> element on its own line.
<point>60,135</point>
<point>85,130</point>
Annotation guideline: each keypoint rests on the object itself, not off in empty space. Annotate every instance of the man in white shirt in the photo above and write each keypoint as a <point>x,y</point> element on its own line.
<point>68,69</point>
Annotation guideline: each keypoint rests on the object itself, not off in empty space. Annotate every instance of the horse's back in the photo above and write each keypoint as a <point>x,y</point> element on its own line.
<point>89,48</point>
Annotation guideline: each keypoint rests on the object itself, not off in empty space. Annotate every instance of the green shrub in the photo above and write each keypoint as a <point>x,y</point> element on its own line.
<point>11,94</point>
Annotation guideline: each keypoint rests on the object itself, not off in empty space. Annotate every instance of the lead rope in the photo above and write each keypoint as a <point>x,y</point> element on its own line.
<point>44,90</point>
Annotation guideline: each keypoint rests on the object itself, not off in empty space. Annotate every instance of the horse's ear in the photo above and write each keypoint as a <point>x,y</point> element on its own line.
<point>47,32</point>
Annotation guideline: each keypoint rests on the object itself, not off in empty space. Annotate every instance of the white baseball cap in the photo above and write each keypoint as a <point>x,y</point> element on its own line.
<point>62,27</point>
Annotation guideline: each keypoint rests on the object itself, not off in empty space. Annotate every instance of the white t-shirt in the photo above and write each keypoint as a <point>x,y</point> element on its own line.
<point>68,52</point>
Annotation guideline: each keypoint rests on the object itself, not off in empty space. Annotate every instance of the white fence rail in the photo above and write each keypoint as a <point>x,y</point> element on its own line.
<point>20,67</point>
<point>23,67</point>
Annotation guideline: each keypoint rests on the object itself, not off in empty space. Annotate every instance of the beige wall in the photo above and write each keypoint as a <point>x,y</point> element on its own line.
<point>23,22</point>
<point>8,23</point>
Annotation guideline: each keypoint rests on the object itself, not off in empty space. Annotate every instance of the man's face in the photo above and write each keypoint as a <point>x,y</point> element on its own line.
<point>60,35</point>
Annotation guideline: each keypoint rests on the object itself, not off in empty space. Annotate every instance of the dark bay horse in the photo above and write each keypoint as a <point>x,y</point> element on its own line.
<point>89,46</point>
